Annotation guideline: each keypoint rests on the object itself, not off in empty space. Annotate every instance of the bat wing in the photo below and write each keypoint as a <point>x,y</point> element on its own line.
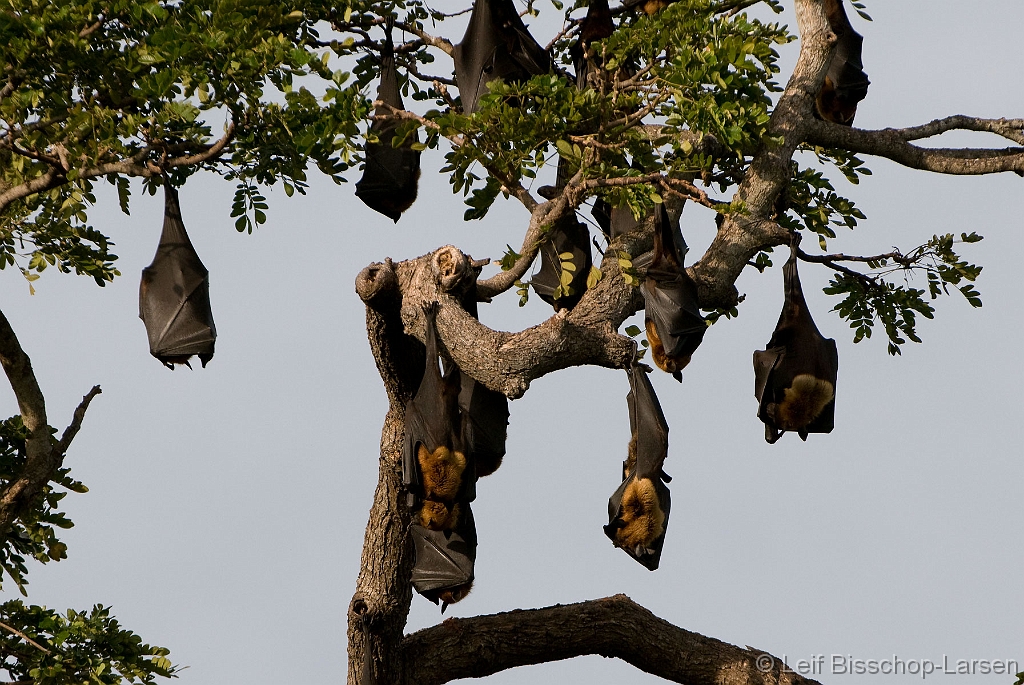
<point>390,180</point>
<point>174,296</point>
<point>562,282</point>
<point>484,425</point>
<point>650,433</point>
<point>444,559</point>
<point>496,46</point>
<point>613,221</point>
<point>671,303</point>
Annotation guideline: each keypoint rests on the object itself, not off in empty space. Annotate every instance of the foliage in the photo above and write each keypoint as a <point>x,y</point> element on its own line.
<point>34,534</point>
<point>46,648</point>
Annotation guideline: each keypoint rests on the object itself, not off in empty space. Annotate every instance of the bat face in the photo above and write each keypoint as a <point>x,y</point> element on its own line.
<point>565,263</point>
<point>390,180</point>
<point>174,295</point>
<point>795,377</point>
<point>638,510</point>
<point>675,326</point>
<point>497,46</point>
<point>845,84</point>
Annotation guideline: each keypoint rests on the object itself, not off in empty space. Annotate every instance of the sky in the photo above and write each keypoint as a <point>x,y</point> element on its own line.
<point>227,505</point>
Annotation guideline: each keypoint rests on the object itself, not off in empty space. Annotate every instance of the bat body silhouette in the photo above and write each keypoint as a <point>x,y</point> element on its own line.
<point>845,84</point>
<point>613,221</point>
<point>497,46</point>
<point>596,25</point>
<point>440,481</point>
<point>565,262</point>
<point>484,424</point>
<point>390,175</point>
<point>675,327</point>
<point>638,510</point>
<point>174,295</point>
<point>795,377</point>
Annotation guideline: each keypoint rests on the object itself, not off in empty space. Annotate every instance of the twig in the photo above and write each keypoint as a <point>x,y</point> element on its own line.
<point>25,637</point>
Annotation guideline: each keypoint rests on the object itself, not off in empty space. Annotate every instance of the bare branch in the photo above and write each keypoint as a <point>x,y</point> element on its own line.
<point>612,627</point>
<point>439,43</point>
<point>893,144</point>
<point>24,637</point>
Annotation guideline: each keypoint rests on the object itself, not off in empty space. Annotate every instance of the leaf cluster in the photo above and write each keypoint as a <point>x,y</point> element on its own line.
<point>34,534</point>
<point>75,648</point>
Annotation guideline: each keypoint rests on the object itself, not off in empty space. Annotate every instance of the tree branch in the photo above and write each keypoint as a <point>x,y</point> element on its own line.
<point>611,627</point>
<point>893,144</point>
<point>43,456</point>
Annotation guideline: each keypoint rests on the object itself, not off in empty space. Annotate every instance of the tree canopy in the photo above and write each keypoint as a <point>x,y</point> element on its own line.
<point>717,88</point>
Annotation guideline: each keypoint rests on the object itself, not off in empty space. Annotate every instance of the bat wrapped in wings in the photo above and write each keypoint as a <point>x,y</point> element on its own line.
<point>613,221</point>
<point>565,263</point>
<point>638,510</point>
<point>845,84</point>
<point>484,424</point>
<point>391,175</point>
<point>440,481</point>
<point>497,46</point>
<point>795,377</point>
<point>675,326</point>
<point>174,296</point>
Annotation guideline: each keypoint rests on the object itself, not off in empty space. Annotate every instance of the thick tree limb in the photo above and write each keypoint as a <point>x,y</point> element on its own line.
<point>612,627</point>
<point>892,143</point>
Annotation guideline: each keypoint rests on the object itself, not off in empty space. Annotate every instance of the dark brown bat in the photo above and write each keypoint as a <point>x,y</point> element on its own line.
<point>174,296</point>
<point>596,25</point>
<point>845,84</point>
<point>565,262</point>
<point>484,424</point>
<point>497,46</point>
<point>613,221</point>
<point>675,326</point>
<point>638,510</point>
<point>795,378</point>
<point>440,480</point>
<point>390,175</point>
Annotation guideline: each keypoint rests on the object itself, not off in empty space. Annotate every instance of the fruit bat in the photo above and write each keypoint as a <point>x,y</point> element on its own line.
<point>484,424</point>
<point>596,25</point>
<point>174,296</point>
<point>497,46</point>
<point>795,378</point>
<point>565,263</point>
<point>845,84</point>
<point>435,470</point>
<point>390,175</point>
<point>613,221</point>
<point>439,475</point>
<point>443,569</point>
<point>675,327</point>
<point>638,510</point>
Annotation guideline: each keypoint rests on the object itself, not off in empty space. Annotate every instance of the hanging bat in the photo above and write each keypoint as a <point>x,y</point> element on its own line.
<point>795,378</point>
<point>845,84</point>
<point>596,25</point>
<point>497,46</point>
<point>613,221</point>
<point>565,263</point>
<point>440,479</point>
<point>443,569</point>
<point>675,327</point>
<point>484,424</point>
<point>638,510</point>
<point>174,296</point>
<point>435,471</point>
<point>390,175</point>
